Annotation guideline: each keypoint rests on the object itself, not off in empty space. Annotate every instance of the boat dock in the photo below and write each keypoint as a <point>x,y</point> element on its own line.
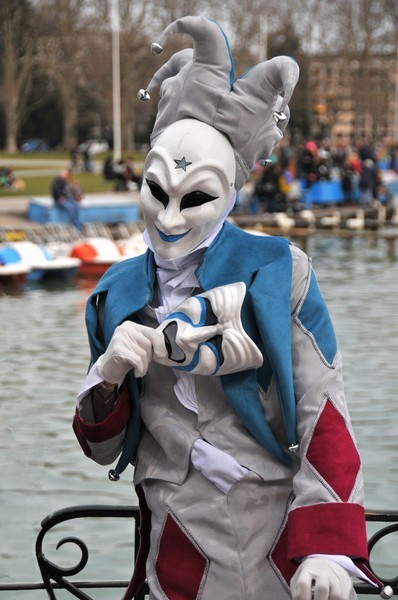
<point>373,223</point>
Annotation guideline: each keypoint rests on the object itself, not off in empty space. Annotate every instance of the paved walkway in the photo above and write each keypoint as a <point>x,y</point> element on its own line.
<point>14,211</point>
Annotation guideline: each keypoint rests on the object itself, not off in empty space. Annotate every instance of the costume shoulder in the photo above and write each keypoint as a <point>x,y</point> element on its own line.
<point>125,288</point>
<point>236,255</point>
<point>252,248</point>
<point>122,272</point>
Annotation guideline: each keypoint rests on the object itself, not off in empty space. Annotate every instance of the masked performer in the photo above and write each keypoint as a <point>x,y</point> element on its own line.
<point>215,369</point>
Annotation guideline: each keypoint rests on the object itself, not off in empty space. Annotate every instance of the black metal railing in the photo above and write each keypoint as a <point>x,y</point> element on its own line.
<point>55,577</point>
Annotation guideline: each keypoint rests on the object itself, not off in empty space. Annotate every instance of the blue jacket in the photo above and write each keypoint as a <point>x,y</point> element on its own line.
<point>264,264</point>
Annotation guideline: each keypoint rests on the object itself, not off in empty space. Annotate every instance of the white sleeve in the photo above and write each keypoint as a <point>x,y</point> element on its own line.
<point>93,378</point>
<point>347,564</point>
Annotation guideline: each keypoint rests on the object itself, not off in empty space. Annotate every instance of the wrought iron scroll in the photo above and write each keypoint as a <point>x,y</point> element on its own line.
<point>389,517</point>
<point>56,577</point>
<point>51,572</point>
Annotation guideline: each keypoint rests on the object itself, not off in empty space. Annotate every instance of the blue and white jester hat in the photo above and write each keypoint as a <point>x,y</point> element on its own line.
<point>199,83</point>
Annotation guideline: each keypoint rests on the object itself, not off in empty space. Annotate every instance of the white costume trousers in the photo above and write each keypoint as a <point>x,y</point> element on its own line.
<point>207,545</point>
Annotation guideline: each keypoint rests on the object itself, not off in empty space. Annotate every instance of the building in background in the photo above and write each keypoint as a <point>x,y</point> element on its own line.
<point>354,97</point>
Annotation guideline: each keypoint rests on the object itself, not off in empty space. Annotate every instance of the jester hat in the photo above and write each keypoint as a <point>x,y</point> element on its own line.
<point>252,111</point>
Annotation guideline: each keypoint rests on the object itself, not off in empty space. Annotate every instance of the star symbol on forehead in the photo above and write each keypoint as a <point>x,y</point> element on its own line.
<point>182,163</point>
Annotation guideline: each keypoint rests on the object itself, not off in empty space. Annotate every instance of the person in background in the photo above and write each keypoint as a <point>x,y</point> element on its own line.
<point>119,176</point>
<point>367,182</point>
<point>134,179</point>
<point>123,173</point>
<point>308,163</point>
<point>348,183</point>
<point>9,180</point>
<point>88,163</point>
<point>393,158</point>
<point>67,194</point>
<point>107,169</point>
<point>74,158</point>
<point>214,365</point>
<point>268,190</point>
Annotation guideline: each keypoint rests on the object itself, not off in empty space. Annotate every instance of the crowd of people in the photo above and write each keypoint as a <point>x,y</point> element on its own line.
<point>357,167</point>
<point>123,173</point>
<point>86,164</point>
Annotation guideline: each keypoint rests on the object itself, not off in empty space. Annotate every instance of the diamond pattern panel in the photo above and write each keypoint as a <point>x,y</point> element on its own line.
<point>332,452</point>
<point>180,565</point>
<point>279,557</point>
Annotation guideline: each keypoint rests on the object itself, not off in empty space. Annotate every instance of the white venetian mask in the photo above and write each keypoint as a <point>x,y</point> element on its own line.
<point>187,186</point>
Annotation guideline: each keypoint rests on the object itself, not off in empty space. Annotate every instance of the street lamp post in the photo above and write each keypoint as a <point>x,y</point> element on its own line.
<point>117,137</point>
<point>395,128</point>
<point>263,37</point>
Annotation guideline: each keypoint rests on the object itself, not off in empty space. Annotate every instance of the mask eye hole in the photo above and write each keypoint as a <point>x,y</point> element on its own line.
<point>157,192</point>
<point>210,318</point>
<point>174,352</point>
<point>195,198</point>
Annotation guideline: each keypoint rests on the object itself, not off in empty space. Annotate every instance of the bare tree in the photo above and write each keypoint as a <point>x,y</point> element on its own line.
<point>62,49</point>
<point>167,11</point>
<point>17,44</point>
<point>136,63</point>
<point>66,46</point>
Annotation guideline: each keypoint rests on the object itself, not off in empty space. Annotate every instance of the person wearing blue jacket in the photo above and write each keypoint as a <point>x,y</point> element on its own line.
<point>215,370</point>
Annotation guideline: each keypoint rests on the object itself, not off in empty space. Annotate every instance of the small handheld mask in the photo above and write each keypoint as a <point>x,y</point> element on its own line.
<point>206,336</point>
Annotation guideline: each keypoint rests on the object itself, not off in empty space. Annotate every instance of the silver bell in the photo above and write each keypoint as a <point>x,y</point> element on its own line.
<point>143,95</point>
<point>113,476</point>
<point>265,162</point>
<point>386,592</point>
<point>294,448</point>
<point>279,116</point>
<point>156,48</point>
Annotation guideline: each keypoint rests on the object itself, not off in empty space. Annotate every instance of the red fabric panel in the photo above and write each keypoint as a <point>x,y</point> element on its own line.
<point>278,556</point>
<point>180,566</point>
<point>80,437</point>
<point>139,575</point>
<point>328,528</point>
<point>332,452</point>
<point>114,424</point>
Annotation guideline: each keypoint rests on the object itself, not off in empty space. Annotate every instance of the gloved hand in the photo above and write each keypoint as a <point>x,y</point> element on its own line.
<point>327,579</point>
<point>131,347</point>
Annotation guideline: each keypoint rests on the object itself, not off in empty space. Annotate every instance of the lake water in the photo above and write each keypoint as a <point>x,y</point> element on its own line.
<point>43,359</point>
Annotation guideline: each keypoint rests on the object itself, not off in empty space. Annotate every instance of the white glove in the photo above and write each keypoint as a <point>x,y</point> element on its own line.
<point>131,347</point>
<point>327,580</point>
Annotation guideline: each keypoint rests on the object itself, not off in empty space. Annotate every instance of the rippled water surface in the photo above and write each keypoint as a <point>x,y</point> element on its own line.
<point>43,359</point>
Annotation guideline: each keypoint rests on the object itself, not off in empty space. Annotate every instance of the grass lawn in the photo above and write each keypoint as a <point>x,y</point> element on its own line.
<point>40,185</point>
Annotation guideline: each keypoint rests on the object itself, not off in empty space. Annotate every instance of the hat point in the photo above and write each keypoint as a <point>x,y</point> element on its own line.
<point>156,48</point>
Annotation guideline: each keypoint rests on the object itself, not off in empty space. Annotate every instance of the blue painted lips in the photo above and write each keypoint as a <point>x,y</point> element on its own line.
<point>171,238</point>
